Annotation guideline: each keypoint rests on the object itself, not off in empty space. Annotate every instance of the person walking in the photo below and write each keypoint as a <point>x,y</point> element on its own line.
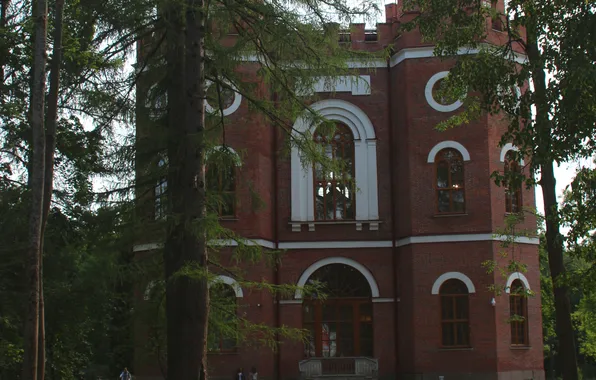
<point>125,375</point>
<point>253,374</point>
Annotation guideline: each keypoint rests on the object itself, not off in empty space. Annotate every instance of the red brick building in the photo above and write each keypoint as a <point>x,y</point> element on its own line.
<point>402,254</point>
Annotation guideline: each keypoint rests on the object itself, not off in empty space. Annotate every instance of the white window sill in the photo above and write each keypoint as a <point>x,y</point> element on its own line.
<point>373,225</point>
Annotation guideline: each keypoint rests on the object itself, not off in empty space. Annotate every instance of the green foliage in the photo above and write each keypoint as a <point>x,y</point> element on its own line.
<point>84,267</point>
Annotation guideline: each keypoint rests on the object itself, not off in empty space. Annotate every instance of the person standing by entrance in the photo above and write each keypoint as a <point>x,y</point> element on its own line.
<point>125,375</point>
<point>240,374</point>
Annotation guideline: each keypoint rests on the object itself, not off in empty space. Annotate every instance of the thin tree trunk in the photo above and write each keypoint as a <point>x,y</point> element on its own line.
<point>186,298</point>
<point>554,245</point>
<point>50,146</point>
<point>3,54</point>
<point>36,116</point>
<point>554,239</point>
<point>195,93</point>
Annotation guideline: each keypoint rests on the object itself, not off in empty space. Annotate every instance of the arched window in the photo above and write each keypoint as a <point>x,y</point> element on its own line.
<point>518,310</point>
<point>450,181</point>
<point>160,191</point>
<point>513,194</point>
<point>333,190</point>
<point>455,323</point>
<point>340,325</point>
<point>221,181</point>
<point>223,322</point>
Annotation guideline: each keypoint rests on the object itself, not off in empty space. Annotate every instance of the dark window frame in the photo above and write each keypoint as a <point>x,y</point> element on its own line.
<point>223,341</point>
<point>518,308</point>
<point>513,197</point>
<point>450,293</point>
<point>442,158</point>
<point>227,199</point>
<point>343,140</point>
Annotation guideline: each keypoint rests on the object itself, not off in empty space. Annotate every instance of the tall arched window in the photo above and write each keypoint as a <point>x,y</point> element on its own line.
<point>513,194</point>
<point>450,181</point>
<point>223,322</point>
<point>340,325</point>
<point>334,190</point>
<point>518,310</point>
<point>221,182</point>
<point>161,190</point>
<point>455,323</point>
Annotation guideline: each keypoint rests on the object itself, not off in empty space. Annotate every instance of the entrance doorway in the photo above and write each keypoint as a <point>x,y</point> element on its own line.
<point>340,325</point>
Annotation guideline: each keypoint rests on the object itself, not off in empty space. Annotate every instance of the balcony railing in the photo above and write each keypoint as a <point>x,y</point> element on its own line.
<point>357,367</point>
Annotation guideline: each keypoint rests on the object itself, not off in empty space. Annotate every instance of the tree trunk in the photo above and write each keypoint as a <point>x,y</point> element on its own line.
<point>554,246</point>
<point>554,239</point>
<point>4,53</point>
<point>195,93</point>
<point>36,180</point>
<point>50,146</point>
<point>186,298</point>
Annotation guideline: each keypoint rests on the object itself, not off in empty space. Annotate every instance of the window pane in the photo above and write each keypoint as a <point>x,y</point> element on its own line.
<point>346,339</point>
<point>337,200</point>
<point>350,205</point>
<point>346,312</point>
<point>453,286</point>
<point>448,334</point>
<point>457,173</point>
<point>458,201</point>
<point>319,202</point>
<point>461,307</point>
<point>366,348</point>
<point>328,312</point>
<point>447,312</point>
<point>365,312</point>
<point>442,175</point>
<point>366,332</point>
<point>308,313</point>
<point>443,201</point>
<point>462,334</point>
<point>228,204</point>
<point>228,344</point>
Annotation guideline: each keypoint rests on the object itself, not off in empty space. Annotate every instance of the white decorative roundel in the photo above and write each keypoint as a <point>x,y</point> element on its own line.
<point>234,102</point>
<point>428,93</point>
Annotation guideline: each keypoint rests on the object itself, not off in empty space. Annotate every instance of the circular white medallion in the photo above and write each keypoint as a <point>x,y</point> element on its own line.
<point>230,99</point>
<point>428,93</point>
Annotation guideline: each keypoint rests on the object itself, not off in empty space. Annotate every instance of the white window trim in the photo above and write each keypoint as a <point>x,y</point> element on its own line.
<point>365,161</point>
<point>374,288</point>
<point>516,276</point>
<point>221,279</point>
<point>450,276</point>
<point>432,155</point>
<point>357,85</point>
<point>507,148</point>
<point>238,160</point>
<point>149,288</point>
<point>428,93</point>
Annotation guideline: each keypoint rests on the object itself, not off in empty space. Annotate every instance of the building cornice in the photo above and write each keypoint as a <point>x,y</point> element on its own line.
<point>347,244</point>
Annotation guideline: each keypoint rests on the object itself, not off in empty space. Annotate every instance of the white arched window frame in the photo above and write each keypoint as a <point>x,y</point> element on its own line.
<point>517,276</point>
<point>453,276</point>
<point>506,148</point>
<point>237,159</point>
<point>228,281</point>
<point>432,155</point>
<point>365,161</point>
<point>374,288</point>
